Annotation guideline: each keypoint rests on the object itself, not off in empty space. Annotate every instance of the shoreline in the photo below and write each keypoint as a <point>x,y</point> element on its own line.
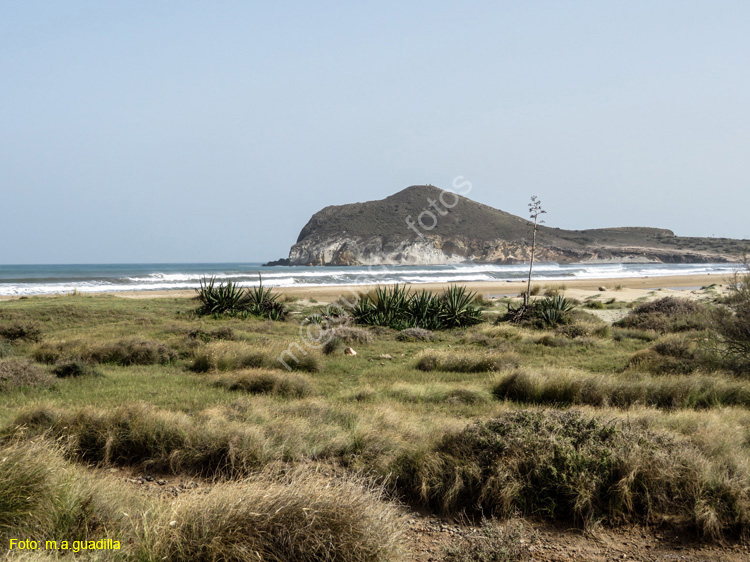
<point>621,287</point>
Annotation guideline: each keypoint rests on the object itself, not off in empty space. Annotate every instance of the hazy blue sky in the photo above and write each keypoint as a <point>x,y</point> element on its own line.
<point>211,131</point>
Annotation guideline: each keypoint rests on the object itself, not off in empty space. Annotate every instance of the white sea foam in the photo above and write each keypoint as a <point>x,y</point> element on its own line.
<point>189,277</point>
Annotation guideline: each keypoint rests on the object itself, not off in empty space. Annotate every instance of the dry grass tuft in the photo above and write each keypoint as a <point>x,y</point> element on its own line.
<point>565,388</point>
<point>300,518</point>
<point>262,381</point>
<point>125,352</point>
<point>231,356</point>
<point>46,498</point>
<point>153,439</point>
<point>465,362</point>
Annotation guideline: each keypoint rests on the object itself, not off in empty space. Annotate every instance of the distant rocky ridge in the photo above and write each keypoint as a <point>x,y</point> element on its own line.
<point>424,225</point>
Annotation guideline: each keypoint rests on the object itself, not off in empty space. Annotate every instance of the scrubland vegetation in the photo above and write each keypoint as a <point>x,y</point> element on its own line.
<point>561,417</point>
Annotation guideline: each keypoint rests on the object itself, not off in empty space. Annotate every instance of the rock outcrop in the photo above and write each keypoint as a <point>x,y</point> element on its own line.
<point>423,225</point>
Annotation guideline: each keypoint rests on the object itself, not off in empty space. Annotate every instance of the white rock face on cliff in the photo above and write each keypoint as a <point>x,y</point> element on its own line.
<point>349,250</point>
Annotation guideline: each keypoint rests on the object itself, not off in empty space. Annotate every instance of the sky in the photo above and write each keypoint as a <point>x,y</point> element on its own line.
<point>167,131</point>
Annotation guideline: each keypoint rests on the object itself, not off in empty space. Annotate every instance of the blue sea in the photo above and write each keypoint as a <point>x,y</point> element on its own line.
<point>51,279</point>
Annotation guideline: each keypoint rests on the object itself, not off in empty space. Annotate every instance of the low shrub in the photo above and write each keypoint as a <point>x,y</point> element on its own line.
<point>6,348</point>
<point>584,330</point>
<point>487,340</point>
<point>574,331</point>
<point>466,396</point>
<point>67,369</point>
<point>229,356</point>
<point>548,340</point>
<point>279,383</point>
<point>671,354</point>
<point>652,362</point>
<point>133,351</point>
<point>332,345</point>
<point>436,394</point>
<point>464,362</point>
<point>415,334</point>
<point>125,352</point>
<point>225,333</point>
<point>351,334</point>
<point>669,314</point>
<point>554,290</point>
<point>302,518</point>
<point>571,467</point>
<point>731,324</point>
<point>20,331</point>
<point>20,372</point>
<point>620,334</point>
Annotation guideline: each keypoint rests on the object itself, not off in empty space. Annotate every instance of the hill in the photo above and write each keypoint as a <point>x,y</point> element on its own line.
<point>423,224</point>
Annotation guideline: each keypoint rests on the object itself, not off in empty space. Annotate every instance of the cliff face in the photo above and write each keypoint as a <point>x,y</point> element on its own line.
<point>352,250</point>
<point>422,225</point>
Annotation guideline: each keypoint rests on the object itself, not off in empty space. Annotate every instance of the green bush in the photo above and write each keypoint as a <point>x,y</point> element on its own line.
<point>571,467</point>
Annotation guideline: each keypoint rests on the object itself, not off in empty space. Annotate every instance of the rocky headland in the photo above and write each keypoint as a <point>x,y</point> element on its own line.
<point>424,225</point>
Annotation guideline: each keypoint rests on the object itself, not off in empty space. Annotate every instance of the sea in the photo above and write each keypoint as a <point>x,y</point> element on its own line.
<point>22,280</point>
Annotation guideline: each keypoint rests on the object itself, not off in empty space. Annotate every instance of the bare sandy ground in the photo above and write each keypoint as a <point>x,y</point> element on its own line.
<point>622,289</point>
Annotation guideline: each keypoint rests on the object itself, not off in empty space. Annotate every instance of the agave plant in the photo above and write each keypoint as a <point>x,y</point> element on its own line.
<point>229,298</point>
<point>398,308</point>
<point>264,303</point>
<point>424,309</point>
<point>387,307</point>
<point>458,309</point>
<point>553,311</point>
<point>221,299</point>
